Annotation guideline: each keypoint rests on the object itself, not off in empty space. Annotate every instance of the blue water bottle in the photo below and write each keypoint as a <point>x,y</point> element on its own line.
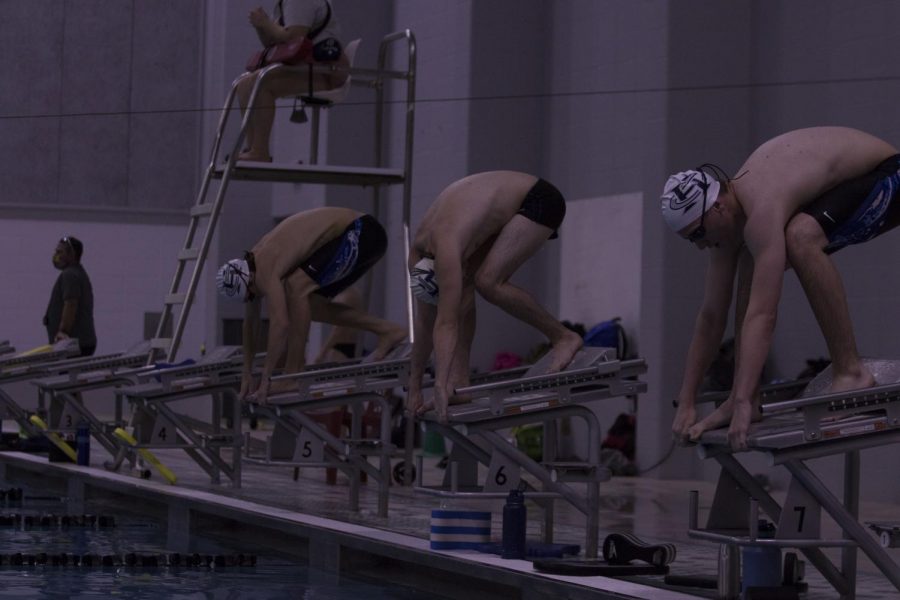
<point>761,564</point>
<point>514,519</point>
<point>83,444</point>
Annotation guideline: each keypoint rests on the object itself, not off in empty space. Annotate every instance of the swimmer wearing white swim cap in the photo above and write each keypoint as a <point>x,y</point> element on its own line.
<point>299,267</point>
<point>474,236</point>
<point>795,200</point>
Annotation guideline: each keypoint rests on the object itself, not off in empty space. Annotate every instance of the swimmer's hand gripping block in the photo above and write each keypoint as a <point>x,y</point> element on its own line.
<point>146,455</point>
<point>54,437</point>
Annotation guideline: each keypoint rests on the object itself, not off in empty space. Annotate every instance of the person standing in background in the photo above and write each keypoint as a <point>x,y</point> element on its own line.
<point>70,312</point>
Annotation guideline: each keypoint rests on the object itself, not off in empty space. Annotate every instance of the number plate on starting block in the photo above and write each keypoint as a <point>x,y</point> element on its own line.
<point>503,474</point>
<point>309,448</point>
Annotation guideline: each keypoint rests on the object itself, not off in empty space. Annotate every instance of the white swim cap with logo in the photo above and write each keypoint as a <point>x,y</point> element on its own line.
<point>423,282</point>
<point>682,198</point>
<point>232,279</point>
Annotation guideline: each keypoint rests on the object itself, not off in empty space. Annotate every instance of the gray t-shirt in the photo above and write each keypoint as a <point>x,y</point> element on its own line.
<point>309,13</point>
<point>73,284</point>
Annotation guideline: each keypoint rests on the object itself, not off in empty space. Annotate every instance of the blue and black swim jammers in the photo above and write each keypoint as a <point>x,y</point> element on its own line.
<point>860,209</point>
<point>339,263</point>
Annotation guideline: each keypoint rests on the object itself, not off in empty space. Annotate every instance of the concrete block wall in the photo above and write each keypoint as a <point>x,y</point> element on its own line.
<point>97,105</point>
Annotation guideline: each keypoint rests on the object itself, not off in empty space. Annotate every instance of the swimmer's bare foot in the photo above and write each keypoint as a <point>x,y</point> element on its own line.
<point>852,381</point>
<point>250,156</point>
<point>388,341</point>
<point>564,350</point>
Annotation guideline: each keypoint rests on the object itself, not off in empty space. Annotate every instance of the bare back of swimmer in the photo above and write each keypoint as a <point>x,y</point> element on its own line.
<point>477,233</point>
<point>299,267</point>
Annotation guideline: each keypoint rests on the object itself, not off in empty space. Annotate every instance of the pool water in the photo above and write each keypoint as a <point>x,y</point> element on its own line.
<point>273,577</point>
<point>261,583</point>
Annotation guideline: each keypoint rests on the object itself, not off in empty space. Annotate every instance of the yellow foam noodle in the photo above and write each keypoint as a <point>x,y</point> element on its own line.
<point>148,456</point>
<point>54,438</point>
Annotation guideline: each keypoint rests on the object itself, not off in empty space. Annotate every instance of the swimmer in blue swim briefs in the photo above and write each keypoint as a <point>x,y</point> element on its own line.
<point>796,199</point>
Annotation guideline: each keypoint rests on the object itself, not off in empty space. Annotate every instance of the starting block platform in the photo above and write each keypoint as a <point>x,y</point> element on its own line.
<point>157,424</point>
<point>153,393</point>
<point>300,440</point>
<point>56,359</point>
<point>513,398</point>
<point>61,397</point>
<point>30,359</point>
<point>792,431</point>
<point>773,392</point>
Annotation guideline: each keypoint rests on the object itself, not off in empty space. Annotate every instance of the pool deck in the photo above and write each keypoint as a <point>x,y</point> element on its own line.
<point>312,517</point>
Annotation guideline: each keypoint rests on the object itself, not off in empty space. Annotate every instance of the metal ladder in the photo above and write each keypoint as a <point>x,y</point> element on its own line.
<point>204,214</point>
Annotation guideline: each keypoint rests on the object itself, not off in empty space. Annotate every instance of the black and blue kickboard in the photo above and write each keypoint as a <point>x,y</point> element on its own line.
<point>535,549</point>
<point>585,567</point>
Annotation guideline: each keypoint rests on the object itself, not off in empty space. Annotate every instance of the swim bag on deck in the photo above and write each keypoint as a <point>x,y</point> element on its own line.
<point>608,334</point>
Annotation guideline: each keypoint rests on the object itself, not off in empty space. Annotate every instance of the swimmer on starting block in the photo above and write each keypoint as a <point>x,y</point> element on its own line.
<point>300,266</point>
<point>477,233</point>
<point>798,198</point>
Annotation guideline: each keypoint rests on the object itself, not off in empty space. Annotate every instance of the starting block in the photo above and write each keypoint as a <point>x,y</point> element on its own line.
<point>814,425</point>
<point>157,425</point>
<point>298,440</point>
<point>148,456</point>
<point>61,397</point>
<point>594,373</point>
<point>47,353</point>
<point>55,359</point>
<point>514,398</point>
